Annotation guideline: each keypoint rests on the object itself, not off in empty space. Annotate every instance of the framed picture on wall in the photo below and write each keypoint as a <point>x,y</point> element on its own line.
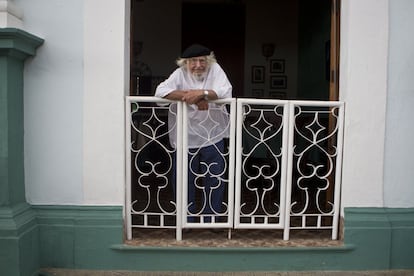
<point>278,82</point>
<point>277,66</point>
<point>277,95</point>
<point>258,74</point>
<point>257,93</point>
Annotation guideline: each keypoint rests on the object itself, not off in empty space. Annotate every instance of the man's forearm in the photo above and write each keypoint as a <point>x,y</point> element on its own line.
<point>191,96</point>
<point>176,95</point>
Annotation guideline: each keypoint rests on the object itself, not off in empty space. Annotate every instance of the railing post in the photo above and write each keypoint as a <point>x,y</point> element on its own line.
<point>179,169</point>
<point>128,199</point>
<point>338,173</point>
<point>291,116</point>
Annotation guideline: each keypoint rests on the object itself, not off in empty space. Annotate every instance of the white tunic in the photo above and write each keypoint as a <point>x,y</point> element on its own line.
<point>205,127</point>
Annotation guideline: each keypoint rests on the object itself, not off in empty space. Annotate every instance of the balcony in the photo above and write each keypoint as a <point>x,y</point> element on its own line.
<point>280,167</point>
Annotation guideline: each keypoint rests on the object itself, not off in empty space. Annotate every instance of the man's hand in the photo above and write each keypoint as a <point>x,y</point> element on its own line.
<point>202,105</point>
<point>193,96</point>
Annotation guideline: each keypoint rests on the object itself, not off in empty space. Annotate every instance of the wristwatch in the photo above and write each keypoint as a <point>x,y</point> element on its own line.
<point>206,95</point>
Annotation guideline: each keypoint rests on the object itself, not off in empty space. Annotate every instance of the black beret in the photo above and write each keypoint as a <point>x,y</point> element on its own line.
<point>196,50</point>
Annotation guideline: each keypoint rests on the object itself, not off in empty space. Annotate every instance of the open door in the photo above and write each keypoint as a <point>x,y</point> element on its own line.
<point>223,36</point>
<point>334,51</point>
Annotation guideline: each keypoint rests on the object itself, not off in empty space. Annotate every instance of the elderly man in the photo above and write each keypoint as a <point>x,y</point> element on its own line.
<point>198,80</point>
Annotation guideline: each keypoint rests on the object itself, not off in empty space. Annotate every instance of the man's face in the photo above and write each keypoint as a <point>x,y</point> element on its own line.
<point>197,66</point>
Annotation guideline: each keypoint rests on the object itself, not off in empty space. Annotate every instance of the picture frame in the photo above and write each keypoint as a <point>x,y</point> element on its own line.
<point>257,93</point>
<point>277,66</point>
<point>258,74</point>
<point>278,82</point>
<point>280,95</point>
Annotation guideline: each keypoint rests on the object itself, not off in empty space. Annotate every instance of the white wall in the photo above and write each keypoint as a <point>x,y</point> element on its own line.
<point>363,88</point>
<point>74,88</point>
<point>105,85</point>
<point>399,147</point>
<point>10,15</point>
<point>53,99</point>
<point>74,102</point>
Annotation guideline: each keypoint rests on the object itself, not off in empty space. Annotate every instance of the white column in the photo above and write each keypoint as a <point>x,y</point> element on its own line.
<point>10,15</point>
<point>106,64</point>
<point>363,88</point>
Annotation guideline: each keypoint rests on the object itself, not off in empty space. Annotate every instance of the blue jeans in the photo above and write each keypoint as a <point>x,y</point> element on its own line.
<point>206,174</point>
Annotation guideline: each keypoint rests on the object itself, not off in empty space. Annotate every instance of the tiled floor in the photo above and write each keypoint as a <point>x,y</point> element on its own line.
<point>239,238</point>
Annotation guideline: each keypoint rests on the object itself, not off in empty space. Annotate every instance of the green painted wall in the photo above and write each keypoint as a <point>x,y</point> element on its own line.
<point>11,124</point>
<point>92,238</point>
<point>15,47</point>
<point>19,247</point>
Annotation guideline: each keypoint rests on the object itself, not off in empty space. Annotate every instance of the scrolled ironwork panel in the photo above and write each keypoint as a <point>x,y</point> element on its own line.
<point>153,200</point>
<point>261,191</point>
<point>315,153</point>
<point>206,163</point>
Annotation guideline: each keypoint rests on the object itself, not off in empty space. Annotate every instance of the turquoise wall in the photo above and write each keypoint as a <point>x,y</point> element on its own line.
<point>92,238</point>
<point>19,246</point>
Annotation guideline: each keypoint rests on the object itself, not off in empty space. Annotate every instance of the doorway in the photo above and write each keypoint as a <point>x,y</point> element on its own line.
<point>280,49</point>
<point>303,35</point>
<point>209,24</point>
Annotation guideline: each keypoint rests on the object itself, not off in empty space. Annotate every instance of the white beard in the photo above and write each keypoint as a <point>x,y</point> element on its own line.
<point>199,77</point>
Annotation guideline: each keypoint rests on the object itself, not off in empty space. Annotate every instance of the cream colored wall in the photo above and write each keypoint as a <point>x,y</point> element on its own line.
<point>74,102</point>
<point>105,56</point>
<point>53,102</point>
<point>363,88</point>
<point>399,137</point>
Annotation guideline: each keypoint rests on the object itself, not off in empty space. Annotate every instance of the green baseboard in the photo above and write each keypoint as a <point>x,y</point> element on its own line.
<point>19,247</point>
<point>91,237</point>
<point>384,237</point>
<point>78,236</point>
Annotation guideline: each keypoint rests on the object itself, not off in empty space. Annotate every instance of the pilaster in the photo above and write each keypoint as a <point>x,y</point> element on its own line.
<point>18,230</point>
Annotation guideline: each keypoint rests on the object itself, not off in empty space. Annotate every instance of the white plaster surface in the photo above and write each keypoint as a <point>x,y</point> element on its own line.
<point>363,88</point>
<point>74,102</point>
<point>75,87</point>
<point>53,102</point>
<point>399,143</point>
<point>103,102</point>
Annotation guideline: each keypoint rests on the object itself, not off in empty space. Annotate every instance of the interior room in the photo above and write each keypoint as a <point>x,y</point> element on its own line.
<point>278,49</point>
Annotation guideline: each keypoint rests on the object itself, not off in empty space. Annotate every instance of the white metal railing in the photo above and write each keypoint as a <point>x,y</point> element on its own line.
<point>205,215</point>
<point>261,163</point>
<point>281,166</point>
<point>314,165</point>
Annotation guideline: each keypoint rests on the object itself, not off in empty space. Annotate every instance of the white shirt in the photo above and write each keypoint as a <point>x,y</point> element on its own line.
<point>205,127</point>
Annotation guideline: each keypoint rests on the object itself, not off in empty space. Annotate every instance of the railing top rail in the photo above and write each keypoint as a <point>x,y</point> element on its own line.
<point>163,100</point>
<point>244,100</point>
<point>147,99</point>
<point>318,103</point>
<point>261,101</point>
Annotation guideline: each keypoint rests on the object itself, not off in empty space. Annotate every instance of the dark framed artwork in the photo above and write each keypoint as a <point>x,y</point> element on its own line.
<point>257,93</point>
<point>258,74</point>
<point>277,95</point>
<point>278,82</point>
<point>277,66</point>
